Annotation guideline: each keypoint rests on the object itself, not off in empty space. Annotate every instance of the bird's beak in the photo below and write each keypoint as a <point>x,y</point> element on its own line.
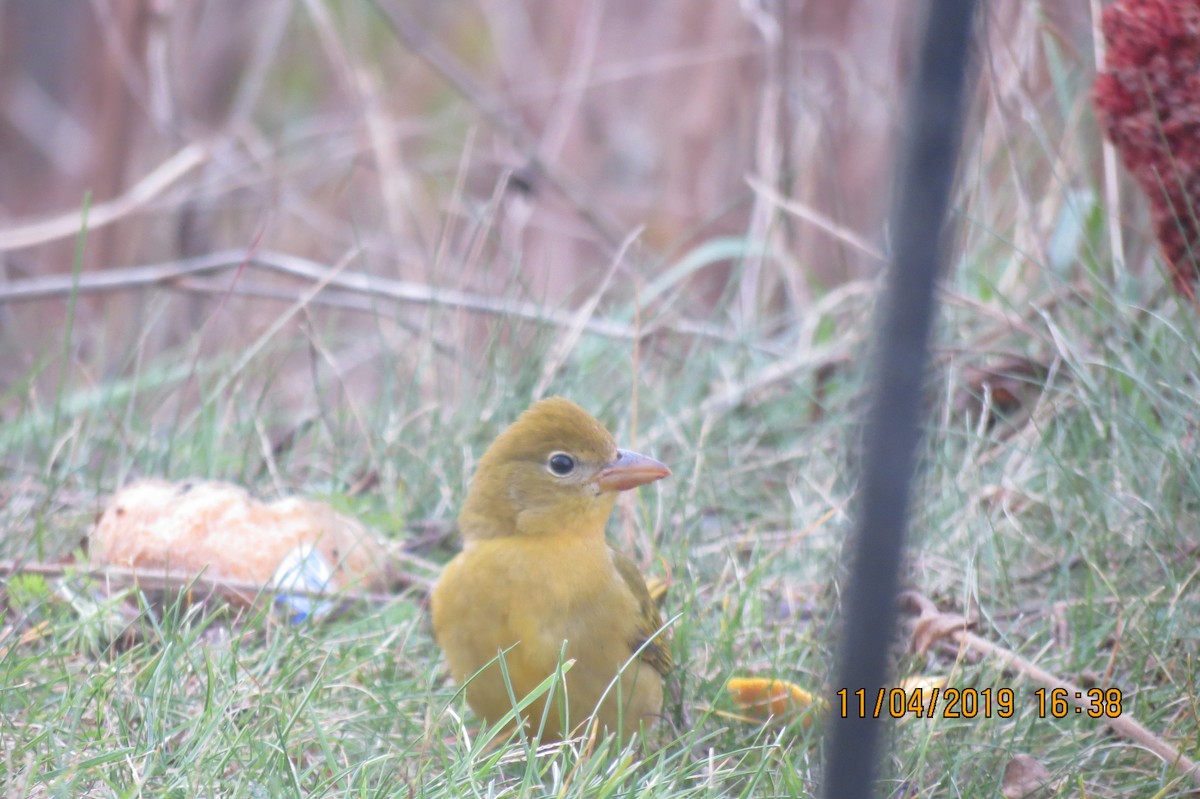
<point>630,470</point>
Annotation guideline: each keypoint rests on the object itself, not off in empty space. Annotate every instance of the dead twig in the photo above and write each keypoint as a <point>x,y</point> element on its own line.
<point>806,212</point>
<point>105,213</point>
<point>242,591</point>
<point>165,274</point>
<point>408,29</point>
<point>932,624</point>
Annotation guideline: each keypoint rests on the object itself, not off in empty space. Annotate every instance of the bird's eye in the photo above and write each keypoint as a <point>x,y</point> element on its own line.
<point>561,464</point>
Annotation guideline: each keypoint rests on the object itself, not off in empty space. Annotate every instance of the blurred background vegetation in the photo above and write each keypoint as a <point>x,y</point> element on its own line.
<point>518,149</point>
<point>333,248</point>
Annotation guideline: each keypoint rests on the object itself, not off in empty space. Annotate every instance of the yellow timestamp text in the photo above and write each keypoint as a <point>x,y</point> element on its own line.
<point>1096,703</point>
<point>969,703</point>
<point>949,703</point>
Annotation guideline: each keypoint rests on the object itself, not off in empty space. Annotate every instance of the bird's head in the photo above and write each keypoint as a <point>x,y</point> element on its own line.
<point>554,469</point>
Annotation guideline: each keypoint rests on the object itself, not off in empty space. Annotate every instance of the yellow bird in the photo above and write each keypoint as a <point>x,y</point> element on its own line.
<point>537,584</point>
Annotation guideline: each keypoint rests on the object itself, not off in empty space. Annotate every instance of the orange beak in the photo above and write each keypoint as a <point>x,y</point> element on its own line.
<point>630,470</point>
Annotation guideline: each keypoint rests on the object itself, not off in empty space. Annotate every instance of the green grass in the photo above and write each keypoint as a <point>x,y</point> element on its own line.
<point>1069,535</point>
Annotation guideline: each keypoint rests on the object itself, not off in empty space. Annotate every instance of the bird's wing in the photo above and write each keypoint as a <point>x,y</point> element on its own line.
<point>650,624</point>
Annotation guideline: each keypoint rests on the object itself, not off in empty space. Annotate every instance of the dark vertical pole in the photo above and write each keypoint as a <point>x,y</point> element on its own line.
<point>929,154</point>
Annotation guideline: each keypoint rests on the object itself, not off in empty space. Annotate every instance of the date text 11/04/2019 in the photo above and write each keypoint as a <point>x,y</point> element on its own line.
<point>969,703</point>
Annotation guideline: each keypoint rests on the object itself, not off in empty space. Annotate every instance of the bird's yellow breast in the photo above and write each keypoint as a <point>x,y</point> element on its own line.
<point>544,600</point>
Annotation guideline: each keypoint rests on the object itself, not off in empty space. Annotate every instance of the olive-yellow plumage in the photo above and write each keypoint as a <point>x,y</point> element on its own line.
<point>537,581</point>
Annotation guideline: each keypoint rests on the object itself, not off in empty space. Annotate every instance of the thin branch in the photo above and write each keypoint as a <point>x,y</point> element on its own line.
<point>244,591</point>
<point>932,624</point>
<point>815,217</point>
<point>409,30</point>
<point>164,274</point>
<point>139,195</point>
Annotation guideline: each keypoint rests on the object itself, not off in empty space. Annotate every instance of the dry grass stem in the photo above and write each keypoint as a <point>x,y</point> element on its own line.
<point>135,198</point>
<point>932,624</point>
